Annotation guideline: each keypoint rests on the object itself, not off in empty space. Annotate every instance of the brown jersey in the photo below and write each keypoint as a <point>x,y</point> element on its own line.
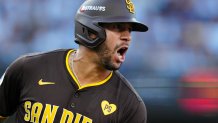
<point>41,88</point>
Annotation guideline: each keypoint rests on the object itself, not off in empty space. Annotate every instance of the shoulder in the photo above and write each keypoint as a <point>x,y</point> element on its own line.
<point>41,56</point>
<point>131,104</point>
<point>126,85</point>
<point>37,57</point>
<point>48,54</point>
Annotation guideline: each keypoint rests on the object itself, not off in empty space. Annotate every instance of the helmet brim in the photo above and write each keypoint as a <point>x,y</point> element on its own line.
<point>136,26</point>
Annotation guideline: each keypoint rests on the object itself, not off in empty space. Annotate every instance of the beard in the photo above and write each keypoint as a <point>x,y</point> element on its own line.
<point>105,55</point>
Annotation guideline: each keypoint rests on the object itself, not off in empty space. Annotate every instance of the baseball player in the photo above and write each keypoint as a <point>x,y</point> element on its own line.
<point>78,85</point>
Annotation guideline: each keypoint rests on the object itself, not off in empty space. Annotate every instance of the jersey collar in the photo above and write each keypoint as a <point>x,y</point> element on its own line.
<point>74,78</point>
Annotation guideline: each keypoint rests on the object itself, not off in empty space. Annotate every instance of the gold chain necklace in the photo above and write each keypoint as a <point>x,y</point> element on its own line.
<point>71,65</point>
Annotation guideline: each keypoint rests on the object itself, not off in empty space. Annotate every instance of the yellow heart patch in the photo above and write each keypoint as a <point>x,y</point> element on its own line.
<point>108,108</point>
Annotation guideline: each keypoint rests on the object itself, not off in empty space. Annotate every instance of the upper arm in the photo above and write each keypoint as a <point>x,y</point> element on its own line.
<point>138,114</point>
<point>9,89</point>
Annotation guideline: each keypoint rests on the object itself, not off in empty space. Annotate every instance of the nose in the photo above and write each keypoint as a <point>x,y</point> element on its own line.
<point>126,35</point>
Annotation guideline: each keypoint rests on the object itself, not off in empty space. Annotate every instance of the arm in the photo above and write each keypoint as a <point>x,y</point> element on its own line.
<point>138,114</point>
<point>9,89</point>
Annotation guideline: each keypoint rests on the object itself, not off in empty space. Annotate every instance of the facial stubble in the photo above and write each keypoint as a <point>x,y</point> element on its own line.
<point>105,56</point>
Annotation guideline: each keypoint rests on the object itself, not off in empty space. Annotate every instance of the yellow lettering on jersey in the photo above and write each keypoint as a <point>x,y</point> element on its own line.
<point>67,116</point>
<point>78,117</point>
<point>33,112</point>
<point>49,114</point>
<point>27,106</point>
<point>86,120</point>
<point>36,111</point>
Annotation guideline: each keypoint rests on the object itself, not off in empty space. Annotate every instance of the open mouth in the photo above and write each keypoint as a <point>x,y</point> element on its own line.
<point>122,51</point>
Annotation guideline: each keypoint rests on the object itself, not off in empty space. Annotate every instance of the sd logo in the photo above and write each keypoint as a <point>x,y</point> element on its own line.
<point>130,6</point>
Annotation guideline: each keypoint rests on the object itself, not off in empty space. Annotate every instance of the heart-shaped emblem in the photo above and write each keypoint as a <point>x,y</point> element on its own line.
<point>108,108</point>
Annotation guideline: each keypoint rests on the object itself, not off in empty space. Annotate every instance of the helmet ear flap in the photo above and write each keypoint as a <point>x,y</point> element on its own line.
<point>83,35</point>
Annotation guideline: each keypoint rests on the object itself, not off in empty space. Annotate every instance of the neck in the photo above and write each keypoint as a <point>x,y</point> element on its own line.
<point>85,68</point>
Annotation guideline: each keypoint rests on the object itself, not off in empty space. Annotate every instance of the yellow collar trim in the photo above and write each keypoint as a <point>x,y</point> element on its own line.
<point>77,82</point>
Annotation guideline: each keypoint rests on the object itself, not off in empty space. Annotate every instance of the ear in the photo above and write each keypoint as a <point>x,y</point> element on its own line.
<point>92,35</point>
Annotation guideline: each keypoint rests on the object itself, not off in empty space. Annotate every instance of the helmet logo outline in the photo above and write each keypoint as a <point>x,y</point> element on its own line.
<point>92,8</point>
<point>130,6</point>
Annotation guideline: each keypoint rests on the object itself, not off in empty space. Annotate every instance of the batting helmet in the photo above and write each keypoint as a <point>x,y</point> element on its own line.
<point>94,12</point>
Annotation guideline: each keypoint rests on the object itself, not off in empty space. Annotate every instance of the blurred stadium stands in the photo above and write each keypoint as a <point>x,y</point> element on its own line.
<point>182,37</point>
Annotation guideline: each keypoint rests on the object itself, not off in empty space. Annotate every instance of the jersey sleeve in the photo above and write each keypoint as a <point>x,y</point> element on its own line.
<point>138,114</point>
<point>9,88</point>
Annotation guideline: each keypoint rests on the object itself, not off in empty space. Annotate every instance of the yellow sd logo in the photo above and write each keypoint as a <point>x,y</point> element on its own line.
<point>130,6</point>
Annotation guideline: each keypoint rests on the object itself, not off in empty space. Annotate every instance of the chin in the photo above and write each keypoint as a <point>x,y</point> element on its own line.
<point>112,67</point>
<point>110,64</point>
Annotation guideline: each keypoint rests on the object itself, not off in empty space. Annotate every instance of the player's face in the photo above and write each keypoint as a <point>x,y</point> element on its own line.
<point>113,51</point>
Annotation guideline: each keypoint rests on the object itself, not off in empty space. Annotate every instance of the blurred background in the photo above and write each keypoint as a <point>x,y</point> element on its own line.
<point>173,66</point>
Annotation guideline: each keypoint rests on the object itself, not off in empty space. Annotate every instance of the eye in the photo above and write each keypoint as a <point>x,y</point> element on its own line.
<point>130,29</point>
<point>124,27</point>
<point>115,26</point>
<point>119,27</point>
